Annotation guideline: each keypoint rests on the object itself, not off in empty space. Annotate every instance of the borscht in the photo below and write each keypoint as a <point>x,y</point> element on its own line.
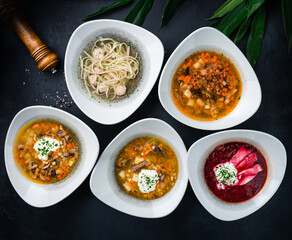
<point>235,171</point>
<point>206,86</point>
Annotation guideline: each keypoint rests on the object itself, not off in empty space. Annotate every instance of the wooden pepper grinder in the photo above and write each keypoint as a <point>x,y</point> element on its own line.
<point>13,16</point>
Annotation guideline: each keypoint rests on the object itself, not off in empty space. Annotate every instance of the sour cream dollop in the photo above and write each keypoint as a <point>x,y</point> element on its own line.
<point>226,175</point>
<point>147,180</point>
<point>45,145</point>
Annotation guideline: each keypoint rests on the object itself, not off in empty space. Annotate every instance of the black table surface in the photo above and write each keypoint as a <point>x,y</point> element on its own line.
<point>81,215</point>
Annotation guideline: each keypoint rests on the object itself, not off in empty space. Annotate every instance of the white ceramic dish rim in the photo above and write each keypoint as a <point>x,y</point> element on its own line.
<point>241,63</point>
<point>143,93</point>
<point>230,211</point>
<point>64,188</point>
<point>174,196</point>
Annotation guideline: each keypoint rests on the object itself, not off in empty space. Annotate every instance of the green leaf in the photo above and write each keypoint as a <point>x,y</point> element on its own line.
<point>254,43</point>
<point>134,12</point>
<point>246,12</point>
<point>225,8</point>
<point>287,18</point>
<point>253,5</point>
<point>231,15</point>
<point>169,10</point>
<point>143,12</point>
<point>243,29</point>
<point>106,9</point>
<point>140,13</point>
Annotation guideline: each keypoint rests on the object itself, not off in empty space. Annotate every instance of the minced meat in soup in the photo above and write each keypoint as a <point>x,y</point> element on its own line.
<point>206,86</point>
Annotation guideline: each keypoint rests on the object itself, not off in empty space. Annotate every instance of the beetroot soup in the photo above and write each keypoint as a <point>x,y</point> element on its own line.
<point>235,171</point>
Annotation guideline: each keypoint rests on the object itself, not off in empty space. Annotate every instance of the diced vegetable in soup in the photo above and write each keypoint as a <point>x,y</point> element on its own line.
<point>206,86</point>
<point>146,168</point>
<point>45,151</point>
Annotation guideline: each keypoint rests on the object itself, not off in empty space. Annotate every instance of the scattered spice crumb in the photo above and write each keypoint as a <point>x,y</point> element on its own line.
<point>60,99</point>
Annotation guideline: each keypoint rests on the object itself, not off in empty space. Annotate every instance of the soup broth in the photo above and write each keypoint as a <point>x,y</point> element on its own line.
<point>45,151</point>
<point>206,86</point>
<point>146,168</point>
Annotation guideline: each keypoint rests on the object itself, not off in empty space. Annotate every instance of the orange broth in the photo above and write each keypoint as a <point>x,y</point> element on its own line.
<point>149,153</point>
<point>59,163</point>
<point>206,86</point>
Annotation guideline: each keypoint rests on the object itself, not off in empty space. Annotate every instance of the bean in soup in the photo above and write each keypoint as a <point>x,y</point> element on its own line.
<point>206,86</point>
<point>146,168</point>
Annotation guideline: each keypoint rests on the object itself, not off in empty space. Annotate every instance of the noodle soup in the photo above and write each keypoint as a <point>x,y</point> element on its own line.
<point>109,68</point>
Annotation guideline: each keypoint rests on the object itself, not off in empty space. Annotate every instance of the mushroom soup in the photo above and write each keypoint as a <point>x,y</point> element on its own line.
<point>45,151</point>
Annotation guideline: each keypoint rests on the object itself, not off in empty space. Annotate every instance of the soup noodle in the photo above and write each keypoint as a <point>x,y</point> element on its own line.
<point>107,69</point>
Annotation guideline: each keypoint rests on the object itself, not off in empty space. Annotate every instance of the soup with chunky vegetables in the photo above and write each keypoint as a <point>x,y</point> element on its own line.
<point>206,86</point>
<point>146,168</point>
<point>45,151</point>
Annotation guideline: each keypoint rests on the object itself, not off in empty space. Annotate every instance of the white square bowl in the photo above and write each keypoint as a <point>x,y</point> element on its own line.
<point>38,195</point>
<point>103,183</point>
<point>276,159</point>
<point>152,54</point>
<point>208,38</point>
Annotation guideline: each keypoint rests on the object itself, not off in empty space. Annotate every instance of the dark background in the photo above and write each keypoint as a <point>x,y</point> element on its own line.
<point>81,215</point>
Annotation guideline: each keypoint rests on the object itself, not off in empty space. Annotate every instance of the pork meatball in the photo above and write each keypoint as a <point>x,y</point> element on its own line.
<point>98,53</point>
<point>120,90</point>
